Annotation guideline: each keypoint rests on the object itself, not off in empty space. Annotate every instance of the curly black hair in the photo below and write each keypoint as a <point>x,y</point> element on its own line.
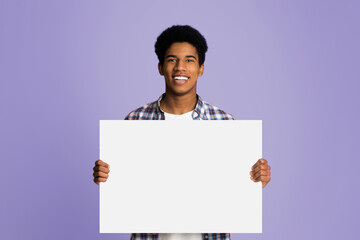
<point>180,33</point>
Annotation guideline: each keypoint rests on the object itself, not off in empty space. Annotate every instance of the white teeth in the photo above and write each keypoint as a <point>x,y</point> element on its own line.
<point>181,78</point>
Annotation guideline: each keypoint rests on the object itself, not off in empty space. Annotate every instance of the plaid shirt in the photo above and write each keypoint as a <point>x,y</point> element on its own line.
<point>205,236</point>
<point>202,111</point>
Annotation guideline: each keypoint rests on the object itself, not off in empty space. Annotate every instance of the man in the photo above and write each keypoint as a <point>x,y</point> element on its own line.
<point>181,53</point>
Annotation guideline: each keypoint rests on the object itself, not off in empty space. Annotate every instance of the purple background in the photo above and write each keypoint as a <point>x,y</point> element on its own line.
<point>64,65</point>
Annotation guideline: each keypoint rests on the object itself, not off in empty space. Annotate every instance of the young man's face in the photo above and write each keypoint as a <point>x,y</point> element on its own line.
<point>181,69</point>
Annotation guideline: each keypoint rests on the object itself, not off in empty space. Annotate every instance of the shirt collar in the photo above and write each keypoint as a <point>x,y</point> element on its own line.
<point>198,113</point>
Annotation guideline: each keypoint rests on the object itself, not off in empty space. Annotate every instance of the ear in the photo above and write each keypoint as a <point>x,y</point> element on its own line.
<point>201,70</point>
<point>160,69</point>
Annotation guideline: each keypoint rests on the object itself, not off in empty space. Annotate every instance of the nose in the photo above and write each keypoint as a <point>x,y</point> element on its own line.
<point>180,65</point>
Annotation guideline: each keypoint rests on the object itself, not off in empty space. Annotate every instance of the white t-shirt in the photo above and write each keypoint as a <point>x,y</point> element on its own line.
<point>185,116</point>
<point>179,236</point>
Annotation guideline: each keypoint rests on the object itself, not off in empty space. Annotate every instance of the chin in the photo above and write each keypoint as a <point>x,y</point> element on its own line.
<point>180,93</point>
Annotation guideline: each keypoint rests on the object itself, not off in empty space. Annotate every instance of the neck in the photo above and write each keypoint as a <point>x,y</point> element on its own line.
<point>178,104</point>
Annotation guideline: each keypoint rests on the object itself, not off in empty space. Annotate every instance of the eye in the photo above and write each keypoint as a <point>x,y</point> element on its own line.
<point>190,60</point>
<point>171,60</point>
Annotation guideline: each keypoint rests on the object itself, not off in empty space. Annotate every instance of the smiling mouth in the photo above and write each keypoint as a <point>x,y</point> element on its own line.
<point>181,78</point>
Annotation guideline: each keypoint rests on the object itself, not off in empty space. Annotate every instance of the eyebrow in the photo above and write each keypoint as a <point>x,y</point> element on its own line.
<point>187,56</point>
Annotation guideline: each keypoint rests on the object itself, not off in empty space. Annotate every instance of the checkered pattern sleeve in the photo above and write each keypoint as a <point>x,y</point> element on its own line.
<point>149,111</point>
<point>210,112</point>
<point>216,236</point>
<point>144,236</point>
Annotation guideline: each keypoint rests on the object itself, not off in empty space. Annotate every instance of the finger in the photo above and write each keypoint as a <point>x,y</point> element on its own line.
<point>102,163</point>
<point>264,183</point>
<point>261,167</point>
<point>100,174</point>
<point>263,179</point>
<point>259,162</point>
<point>101,169</point>
<point>252,179</point>
<point>96,182</point>
<point>262,161</point>
<point>99,180</point>
<point>255,165</point>
<point>252,175</point>
<point>261,173</point>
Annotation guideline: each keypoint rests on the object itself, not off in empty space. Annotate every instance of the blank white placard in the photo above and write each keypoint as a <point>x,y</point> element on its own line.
<point>180,176</point>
